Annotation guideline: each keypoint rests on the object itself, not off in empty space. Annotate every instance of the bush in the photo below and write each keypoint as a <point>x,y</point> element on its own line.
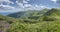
<point>49,18</point>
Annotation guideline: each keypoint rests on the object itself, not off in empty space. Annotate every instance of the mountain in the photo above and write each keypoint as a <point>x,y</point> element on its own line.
<point>50,21</point>
<point>17,15</point>
<point>28,13</point>
<point>53,14</point>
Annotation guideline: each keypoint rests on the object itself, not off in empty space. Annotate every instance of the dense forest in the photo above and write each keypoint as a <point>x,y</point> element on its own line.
<point>46,20</point>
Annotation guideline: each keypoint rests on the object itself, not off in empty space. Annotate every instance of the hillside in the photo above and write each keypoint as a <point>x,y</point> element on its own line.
<point>17,15</point>
<point>5,22</point>
<point>35,14</point>
<point>50,21</point>
<point>53,14</point>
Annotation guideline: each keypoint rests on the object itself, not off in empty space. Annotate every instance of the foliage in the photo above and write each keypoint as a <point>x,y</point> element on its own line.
<point>32,22</point>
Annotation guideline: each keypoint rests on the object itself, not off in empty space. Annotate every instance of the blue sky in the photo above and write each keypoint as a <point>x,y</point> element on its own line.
<point>23,5</point>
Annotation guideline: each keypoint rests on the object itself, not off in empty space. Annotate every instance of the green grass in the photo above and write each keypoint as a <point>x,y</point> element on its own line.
<point>48,22</point>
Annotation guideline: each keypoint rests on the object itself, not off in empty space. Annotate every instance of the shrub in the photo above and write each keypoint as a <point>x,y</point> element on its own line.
<point>49,19</point>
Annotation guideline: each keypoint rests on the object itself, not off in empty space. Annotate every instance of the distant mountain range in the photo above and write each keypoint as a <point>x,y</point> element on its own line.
<point>28,13</point>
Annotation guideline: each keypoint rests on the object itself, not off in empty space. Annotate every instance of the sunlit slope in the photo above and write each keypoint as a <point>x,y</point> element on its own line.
<point>53,14</point>
<point>5,23</point>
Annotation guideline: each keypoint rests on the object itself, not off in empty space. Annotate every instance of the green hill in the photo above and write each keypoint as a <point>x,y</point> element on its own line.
<point>29,21</point>
<point>5,22</point>
<point>35,14</point>
<point>17,14</point>
<point>53,14</point>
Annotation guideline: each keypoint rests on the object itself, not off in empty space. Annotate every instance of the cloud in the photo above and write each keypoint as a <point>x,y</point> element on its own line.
<point>25,6</point>
<point>7,1</point>
<point>6,7</point>
<point>22,5</point>
<point>34,7</point>
<point>24,1</point>
<point>54,1</point>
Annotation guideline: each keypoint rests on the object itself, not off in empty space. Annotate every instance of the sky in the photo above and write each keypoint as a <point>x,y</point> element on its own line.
<point>24,5</point>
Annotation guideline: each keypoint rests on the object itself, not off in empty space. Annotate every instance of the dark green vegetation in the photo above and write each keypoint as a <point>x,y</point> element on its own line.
<point>47,20</point>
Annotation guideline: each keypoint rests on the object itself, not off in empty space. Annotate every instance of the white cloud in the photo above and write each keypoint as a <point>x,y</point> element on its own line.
<point>24,1</point>
<point>27,5</point>
<point>22,6</point>
<point>7,1</point>
<point>39,7</point>
<point>34,7</point>
<point>54,1</point>
<point>6,7</point>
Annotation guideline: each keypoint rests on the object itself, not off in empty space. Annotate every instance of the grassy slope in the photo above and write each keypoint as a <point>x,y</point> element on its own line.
<point>23,25</point>
<point>5,23</point>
